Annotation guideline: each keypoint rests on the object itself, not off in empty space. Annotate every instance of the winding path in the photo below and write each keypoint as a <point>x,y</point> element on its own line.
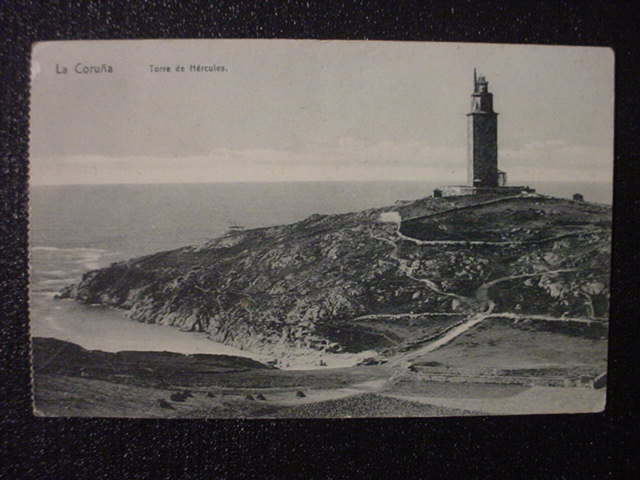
<point>496,244</point>
<point>403,266</point>
<point>482,301</point>
<point>475,205</point>
<point>455,332</point>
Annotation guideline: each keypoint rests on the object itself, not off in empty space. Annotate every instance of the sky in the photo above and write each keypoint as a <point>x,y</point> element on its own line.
<point>310,110</point>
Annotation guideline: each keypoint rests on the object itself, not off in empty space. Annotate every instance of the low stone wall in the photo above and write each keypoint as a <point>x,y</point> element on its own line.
<point>585,382</point>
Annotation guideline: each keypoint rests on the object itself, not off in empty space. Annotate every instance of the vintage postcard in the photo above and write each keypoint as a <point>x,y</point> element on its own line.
<point>299,228</point>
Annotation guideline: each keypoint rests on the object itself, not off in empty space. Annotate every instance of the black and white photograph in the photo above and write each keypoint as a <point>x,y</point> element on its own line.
<point>319,229</point>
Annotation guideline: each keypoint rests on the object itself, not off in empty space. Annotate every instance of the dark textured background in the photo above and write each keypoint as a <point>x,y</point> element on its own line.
<point>560,446</point>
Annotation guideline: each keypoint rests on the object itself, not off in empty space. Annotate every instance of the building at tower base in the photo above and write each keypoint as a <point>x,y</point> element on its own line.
<point>457,190</point>
<point>483,175</point>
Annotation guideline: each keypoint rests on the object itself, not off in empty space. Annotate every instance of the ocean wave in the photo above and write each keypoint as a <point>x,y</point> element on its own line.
<point>69,250</point>
<point>43,293</point>
<point>54,273</point>
<point>85,257</point>
<point>57,281</point>
<point>90,261</point>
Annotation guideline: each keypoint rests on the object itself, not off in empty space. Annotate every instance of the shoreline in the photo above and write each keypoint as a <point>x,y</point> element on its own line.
<point>187,343</point>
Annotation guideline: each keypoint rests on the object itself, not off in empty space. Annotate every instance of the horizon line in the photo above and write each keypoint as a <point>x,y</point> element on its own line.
<point>599,182</point>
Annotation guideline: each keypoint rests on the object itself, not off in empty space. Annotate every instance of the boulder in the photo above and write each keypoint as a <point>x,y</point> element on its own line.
<point>600,381</point>
<point>162,403</point>
<point>177,397</point>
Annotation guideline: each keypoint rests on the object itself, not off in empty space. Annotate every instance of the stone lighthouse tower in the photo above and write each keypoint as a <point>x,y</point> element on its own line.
<point>482,137</point>
<point>483,176</point>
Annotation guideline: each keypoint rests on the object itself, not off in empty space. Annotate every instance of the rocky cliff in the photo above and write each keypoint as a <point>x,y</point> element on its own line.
<point>366,281</point>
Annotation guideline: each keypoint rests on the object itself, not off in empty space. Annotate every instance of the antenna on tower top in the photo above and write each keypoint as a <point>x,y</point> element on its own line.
<point>475,80</point>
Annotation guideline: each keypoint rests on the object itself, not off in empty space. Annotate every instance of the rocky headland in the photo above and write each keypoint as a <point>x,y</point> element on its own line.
<point>386,284</point>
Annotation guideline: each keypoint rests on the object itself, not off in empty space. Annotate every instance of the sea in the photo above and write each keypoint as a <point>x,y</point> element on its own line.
<point>77,228</point>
